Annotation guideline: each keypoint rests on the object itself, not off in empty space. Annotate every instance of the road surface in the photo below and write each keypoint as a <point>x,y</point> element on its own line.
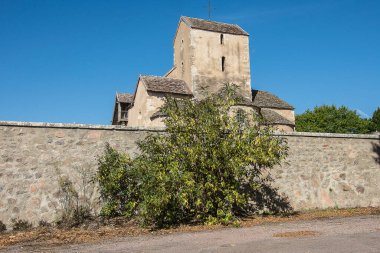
<point>354,234</point>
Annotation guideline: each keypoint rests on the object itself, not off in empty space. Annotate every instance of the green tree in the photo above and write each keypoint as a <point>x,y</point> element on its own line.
<point>207,167</point>
<point>376,119</point>
<point>118,183</point>
<point>330,119</point>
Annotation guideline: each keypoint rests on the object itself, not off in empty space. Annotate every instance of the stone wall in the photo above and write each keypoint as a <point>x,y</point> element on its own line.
<point>34,155</point>
<point>322,170</point>
<point>330,170</point>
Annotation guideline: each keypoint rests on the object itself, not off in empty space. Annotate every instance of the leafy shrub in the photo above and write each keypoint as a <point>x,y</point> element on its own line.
<point>3,227</point>
<point>44,224</point>
<point>207,167</point>
<point>21,225</point>
<point>118,183</point>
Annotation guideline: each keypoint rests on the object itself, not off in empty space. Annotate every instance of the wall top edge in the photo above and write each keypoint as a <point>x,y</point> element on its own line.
<point>78,126</point>
<point>375,136</point>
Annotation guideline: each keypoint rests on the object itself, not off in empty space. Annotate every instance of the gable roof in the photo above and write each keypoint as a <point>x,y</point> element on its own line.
<point>213,26</point>
<point>264,99</point>
<point>165,85</point>
<point>124,98</point>
<point>272,117</point>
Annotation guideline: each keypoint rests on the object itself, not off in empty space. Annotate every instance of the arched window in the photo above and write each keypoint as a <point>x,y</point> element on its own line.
<point>221,39</point>
<point>223,63</point>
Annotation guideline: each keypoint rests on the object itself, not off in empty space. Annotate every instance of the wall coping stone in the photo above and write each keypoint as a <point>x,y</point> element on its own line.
<point>375,136</point>
<point>78,126</point>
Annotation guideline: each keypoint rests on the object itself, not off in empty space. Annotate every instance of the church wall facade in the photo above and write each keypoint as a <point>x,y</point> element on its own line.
<point>183,50</point>
<point>209,56</point>
<point>145,105</point>
<point>323,170</point>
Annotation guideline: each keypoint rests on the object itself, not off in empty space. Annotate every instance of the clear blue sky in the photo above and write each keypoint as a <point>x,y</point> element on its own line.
<point>63,60</point>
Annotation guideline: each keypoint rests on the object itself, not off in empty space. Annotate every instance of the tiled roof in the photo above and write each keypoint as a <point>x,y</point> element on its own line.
<point>264,99</point>
<point>157,114</point>
<point>208,25</point>
<point>272,117</point>
<point>165,85</point>
<point>124,97</point>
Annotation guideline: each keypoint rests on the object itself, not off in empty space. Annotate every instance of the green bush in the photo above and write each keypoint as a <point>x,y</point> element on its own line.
<point>118,183</point>
<point>3,227</point>
<point>43,224</point>
<point>21,225</point>
<point>208,166</point>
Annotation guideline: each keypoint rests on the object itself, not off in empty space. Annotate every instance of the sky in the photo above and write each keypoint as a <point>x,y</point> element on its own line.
<point>64,60</point>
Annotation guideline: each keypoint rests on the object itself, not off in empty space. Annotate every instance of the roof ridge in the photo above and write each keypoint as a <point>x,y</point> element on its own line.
<point>165,84</point>
<point>208,20</point>
<point>192,23</point>
<point>266,99</point>
<point>161,77</point>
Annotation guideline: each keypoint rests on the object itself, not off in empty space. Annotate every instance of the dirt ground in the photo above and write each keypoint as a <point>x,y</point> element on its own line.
<point>53,237</point>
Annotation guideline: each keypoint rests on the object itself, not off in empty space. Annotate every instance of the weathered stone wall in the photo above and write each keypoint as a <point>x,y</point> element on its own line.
<point>34,155</point>
<point>330,170</point>
<point>323,170</point>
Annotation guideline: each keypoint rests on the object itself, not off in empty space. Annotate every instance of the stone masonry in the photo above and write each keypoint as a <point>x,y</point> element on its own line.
<point>322,170</point>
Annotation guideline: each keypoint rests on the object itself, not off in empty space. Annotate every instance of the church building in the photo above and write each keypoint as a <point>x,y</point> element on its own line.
<point>207,55</point>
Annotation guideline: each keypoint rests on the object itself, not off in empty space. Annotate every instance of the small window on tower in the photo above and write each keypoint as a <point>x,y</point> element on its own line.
<point>223,63</point>
<point>221,39</point>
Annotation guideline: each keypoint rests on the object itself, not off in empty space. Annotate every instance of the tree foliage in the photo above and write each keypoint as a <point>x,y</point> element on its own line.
<point>118,183</point>
<point>376,119</point>
<point>331,119</point>
<point>206,167</point>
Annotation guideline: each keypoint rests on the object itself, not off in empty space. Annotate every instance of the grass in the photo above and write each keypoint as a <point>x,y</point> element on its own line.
<point>51,236</point>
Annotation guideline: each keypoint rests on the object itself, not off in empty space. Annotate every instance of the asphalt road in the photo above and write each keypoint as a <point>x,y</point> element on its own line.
<point>355,234</point>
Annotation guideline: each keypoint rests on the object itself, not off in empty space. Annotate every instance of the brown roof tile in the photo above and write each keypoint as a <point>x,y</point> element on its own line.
<point>272,117</point>
<point>165,85</point>
<point>124,97</point>
<point>264,99</point>
<point>209,25</point>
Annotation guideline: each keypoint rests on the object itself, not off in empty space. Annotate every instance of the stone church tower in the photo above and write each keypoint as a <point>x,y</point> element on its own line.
<point>207,55</point>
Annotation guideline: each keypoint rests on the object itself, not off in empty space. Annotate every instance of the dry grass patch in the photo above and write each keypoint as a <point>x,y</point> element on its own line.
<point>296,234</point>
<point>50,236</point>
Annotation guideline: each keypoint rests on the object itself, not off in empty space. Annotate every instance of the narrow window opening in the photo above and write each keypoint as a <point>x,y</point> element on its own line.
<point>221,39</point>
<point>241,117</point>
<point>223,63</point>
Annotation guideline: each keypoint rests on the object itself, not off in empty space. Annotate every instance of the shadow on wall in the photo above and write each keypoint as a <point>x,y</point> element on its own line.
<point>266,198</point>
<point>376,150</point>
